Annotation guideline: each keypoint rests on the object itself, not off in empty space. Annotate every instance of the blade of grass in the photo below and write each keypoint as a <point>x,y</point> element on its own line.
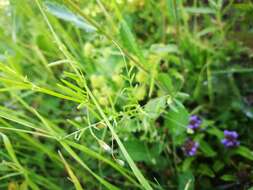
<point>12,154</point>
<point>71,173</point>
<point>93,154</point>
<point>79,160</point>
<point>130,161</point>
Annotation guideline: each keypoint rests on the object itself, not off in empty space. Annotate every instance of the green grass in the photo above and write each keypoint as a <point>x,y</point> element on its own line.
<point>97,94</point>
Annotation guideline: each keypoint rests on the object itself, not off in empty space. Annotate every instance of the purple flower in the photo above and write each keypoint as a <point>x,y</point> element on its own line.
<point>230,139</point>
<point>190,147</point>
<point>195,122</point>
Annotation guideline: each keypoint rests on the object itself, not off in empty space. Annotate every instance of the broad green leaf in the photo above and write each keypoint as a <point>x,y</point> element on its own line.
<point>182,96</point>
<point>177,121</point>
<point>146,153</point>
<point>186,181</point>
<point>205,170</point>
<point>129,41</point>
<point>218,165</point>
<point>166,82</point>
<point>187,163</point>
<point>199,10</point>
<point>137,150</point>
<point>206,149</point>
<point>245,152</point>
<point>164,49</point>
<point>206,31</point>
<point>155,107</point>
<point>63,13</point>
<point>228,177</point>
<point>216,132</point>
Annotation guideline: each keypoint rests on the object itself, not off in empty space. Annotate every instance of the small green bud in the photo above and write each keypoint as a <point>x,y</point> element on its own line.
<point>107,91</point>
<point>101,126</point>
<point>105,146</point>
<point>141,77</point>
<point>103,101</point>
<point>120,162</point>
<point>97,81</point>
<point>96,92</point>
<point>169,100</point>
<point>190,131</point>
<point>118,79</point>
<point>140,92</point>
<point>88,49</point>
<point>119,1</point>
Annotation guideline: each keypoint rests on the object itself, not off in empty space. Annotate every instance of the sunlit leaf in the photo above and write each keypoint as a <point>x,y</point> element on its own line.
<point>63,13</point>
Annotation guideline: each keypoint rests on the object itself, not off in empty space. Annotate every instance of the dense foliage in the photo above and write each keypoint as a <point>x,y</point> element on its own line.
<point>126,94</point>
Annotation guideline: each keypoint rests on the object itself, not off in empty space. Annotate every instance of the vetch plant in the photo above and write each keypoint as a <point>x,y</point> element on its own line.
<point>107,95</point>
